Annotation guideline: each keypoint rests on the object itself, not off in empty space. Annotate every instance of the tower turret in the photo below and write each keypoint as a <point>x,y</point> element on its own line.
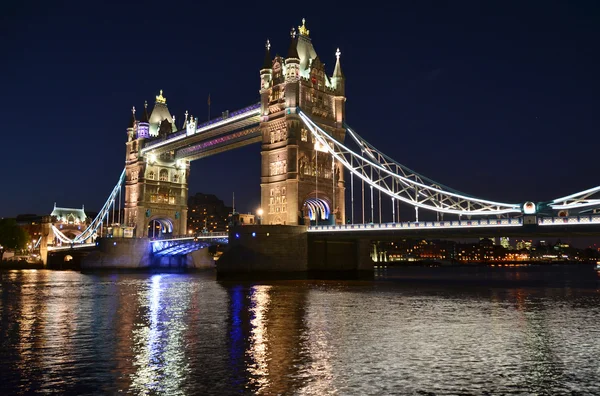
<point>292,62</point>
<point>132,126</point>
<point>266,73</point>
<point>337,79</point>
<point>143,130</point>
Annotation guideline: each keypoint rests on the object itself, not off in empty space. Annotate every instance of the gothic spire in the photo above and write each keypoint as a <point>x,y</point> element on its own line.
<point>133,120</point>
<point>268,63</point>
<point>337,72</point>
<point>145,116</point>
<point>185,122</point>
<point>293,51</point>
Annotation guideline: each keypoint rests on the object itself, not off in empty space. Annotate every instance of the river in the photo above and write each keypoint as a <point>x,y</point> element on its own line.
<point>73,333</point>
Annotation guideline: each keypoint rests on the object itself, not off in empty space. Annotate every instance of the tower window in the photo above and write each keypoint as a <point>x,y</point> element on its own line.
<point>151,175</point>
<point>304,135</point>
<point>164,175</point>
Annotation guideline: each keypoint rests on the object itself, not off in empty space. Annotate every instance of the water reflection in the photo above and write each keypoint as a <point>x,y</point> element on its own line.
<point>159,353</point>
<point>266,329</point>
<point>65,332</point>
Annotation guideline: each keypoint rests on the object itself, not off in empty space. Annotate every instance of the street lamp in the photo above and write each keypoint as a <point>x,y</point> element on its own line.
<point>259,213</point>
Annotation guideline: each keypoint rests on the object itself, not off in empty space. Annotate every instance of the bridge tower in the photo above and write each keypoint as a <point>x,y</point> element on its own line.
<point>300,182</point>
<point>156,188</point>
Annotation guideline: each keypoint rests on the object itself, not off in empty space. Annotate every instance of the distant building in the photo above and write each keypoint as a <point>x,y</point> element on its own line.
<point>71,222</point>
<point>505,243</point>
<point>31,223</point>
<point>523,245</point>
<point>206,211</point>
<point>246,219</point>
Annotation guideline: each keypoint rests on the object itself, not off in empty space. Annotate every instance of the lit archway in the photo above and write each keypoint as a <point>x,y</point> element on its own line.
<point>160,227</point>
<point>317,210</point>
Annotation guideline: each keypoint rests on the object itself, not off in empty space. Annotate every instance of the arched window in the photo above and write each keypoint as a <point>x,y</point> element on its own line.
<point>164,175</point>
<point>151,175</point>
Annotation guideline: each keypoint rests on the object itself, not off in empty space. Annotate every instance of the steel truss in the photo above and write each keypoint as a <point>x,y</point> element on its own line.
<point>583,201</point>
<point>90,231</point>
<point>399,182</point>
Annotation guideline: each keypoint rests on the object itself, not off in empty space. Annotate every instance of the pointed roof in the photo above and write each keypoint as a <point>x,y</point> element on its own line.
<point>268,62</point>
<point>160,111</point>
<point>145,116</point>
<point>133,120</point>
<point>304,48</point>
<point>293,51</point>
<point>69,214</point>
<point>337,72</point>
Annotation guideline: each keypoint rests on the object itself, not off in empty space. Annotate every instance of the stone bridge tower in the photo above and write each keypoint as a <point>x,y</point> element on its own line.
<point>300,181</point>
<point>156,189</point>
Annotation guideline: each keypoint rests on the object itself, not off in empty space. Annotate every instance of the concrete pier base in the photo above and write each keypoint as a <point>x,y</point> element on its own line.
<point>265,248</point>
<point>290,252</point>
<point>135,253</point>
<point>119,253</point>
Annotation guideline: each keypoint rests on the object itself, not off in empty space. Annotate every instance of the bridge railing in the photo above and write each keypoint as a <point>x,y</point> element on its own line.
<point>200,235</point>
<point>515,222</point>
<point>569,220</point>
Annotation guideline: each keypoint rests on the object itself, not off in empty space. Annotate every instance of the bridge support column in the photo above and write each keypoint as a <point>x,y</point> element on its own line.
<point>46,224</point>
<point>264,249</point>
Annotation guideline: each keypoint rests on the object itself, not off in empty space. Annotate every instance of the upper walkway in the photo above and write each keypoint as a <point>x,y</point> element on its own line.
<point>232,130</point>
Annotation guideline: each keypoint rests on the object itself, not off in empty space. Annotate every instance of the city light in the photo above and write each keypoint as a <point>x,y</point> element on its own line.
<point>259,212</point>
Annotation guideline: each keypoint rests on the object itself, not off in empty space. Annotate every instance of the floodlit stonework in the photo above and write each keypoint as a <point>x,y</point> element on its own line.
<point>299,180</point>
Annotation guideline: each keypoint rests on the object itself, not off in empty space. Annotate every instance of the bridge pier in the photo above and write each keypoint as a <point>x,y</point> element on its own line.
<point>119,253</point>
<point>46,224</point>
<point>277,251</point>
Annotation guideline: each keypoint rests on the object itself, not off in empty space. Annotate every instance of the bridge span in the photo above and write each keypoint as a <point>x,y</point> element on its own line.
<point>311,159</point>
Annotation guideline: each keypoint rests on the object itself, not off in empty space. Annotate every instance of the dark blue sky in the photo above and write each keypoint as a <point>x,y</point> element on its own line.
<point>499,99</point>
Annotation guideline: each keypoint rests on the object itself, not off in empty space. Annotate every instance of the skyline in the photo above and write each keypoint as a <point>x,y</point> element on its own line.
<point>460,96</point>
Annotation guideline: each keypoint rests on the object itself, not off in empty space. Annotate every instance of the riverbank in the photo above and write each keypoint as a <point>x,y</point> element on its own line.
<point>17,265</point>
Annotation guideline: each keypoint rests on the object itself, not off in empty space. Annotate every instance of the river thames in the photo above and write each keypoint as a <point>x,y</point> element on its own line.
<point>71,333</point>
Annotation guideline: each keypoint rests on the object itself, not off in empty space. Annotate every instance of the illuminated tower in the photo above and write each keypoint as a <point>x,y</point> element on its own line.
<point>299,180</point>
<point>155,186</point>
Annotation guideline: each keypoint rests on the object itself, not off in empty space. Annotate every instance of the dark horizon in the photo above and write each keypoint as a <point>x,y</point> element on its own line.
<point>496,100</point>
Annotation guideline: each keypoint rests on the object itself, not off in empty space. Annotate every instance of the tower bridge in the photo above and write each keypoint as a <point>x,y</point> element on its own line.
<point>311,160</point>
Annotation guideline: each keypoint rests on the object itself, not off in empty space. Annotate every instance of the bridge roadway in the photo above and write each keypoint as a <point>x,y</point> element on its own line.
<point>544,227</point>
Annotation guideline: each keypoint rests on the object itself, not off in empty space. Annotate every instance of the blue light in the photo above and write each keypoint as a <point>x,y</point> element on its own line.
<point>114,243</point>
<point>237,235</point>
<point>254,234</point>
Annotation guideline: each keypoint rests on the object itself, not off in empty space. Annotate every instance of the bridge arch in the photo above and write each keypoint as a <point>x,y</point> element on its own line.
<point>159,226</point>
<point>317,209</point>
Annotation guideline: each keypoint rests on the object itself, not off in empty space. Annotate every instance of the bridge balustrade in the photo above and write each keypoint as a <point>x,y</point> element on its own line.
<point>569,220</point>
<point>421,225</point>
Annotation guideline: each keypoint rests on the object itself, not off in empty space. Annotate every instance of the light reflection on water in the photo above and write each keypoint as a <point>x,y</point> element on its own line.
<point>68,332</point>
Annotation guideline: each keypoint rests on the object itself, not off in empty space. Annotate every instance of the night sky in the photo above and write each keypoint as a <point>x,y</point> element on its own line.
<point>497,99</point>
